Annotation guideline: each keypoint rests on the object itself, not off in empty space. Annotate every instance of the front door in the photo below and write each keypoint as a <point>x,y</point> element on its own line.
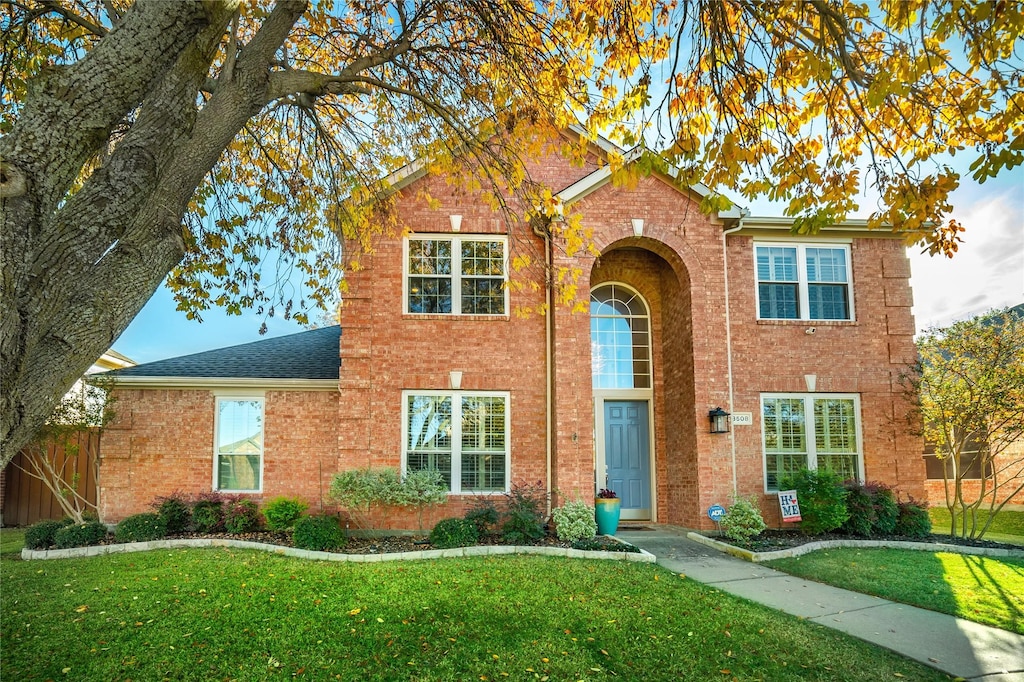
<point>627,448</point>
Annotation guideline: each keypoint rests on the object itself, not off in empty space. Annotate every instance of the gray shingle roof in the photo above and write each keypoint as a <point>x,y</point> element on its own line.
<point>313,354</point>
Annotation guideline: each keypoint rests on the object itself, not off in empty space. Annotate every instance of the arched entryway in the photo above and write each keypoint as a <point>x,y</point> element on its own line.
<point>643,381</point>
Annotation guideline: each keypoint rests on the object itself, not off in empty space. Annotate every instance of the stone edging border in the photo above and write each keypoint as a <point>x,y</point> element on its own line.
<point>478,550</point>
<point>758,557</point>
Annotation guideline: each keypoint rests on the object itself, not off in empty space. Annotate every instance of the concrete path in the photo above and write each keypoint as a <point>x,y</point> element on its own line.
<point>955,646</point>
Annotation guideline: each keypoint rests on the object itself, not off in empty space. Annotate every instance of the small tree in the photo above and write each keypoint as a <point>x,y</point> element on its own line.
<point>52,456</point>
<point>968,393</point>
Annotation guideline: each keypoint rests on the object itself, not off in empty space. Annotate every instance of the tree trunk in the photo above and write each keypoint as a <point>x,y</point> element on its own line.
<point>78,265</point>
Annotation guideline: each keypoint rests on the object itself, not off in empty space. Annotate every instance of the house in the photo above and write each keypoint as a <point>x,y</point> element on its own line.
<point>676,316</point>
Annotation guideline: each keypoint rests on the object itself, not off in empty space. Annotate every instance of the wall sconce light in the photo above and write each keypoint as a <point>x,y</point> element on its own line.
<point>456,221</point>
<point>455,380</point>
<point>719,419</point>
<point>638,227</point>
<point>811,380</point>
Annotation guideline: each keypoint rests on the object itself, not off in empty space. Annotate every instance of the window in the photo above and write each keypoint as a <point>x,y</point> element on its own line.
<point>456,275</point>
<point>813,431</point>
<point>972,457</point>
<point>461,434</point>
<point>620,338</point>
<point>238,456</point>
<point>799,282</point>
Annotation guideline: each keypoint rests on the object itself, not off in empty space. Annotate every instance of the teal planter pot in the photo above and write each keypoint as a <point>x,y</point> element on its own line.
<point>606,512</point>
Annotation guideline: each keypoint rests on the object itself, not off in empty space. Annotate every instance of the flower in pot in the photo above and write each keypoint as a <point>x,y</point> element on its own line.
<point>607,507</point>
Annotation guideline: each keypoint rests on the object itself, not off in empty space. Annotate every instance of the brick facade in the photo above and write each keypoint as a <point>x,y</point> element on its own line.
<point>679,266</point>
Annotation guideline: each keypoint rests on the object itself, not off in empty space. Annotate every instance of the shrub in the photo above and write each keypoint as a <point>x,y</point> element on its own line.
<point>141,528</point>
<point>861,508</point>
<point>80,534</point>
<point>454,533</point>
<point>483,514</point>
<point>175,512</point>
<point>241,516</point>
<point>208,513</point>
<point>887,512</point>
<point>41,535</point>
<point>319,533</point>
<point>822,499</point>
<point>357,490</point>
<point>281,513</point>
<point>422,489</point>
<point>524,513</point>
<point>574,521</point>
<point>743,520</point>
<point>913,520</point>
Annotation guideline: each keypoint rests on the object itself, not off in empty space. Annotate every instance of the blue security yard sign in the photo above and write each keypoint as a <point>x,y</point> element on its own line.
<point>716,512</point>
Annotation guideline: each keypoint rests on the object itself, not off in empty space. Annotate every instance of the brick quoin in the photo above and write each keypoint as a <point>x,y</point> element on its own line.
<point>163,441</point>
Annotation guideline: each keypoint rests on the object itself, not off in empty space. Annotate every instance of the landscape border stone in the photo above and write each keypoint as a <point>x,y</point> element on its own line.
<point>479,550</point>
<point>758,557</point>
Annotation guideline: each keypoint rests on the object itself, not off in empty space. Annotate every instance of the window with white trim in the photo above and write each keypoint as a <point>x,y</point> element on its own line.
<point>238,447</point>
<point>464,435</point>
<point>803,282</point>
<point>459,275</point>
<point>812,431</point>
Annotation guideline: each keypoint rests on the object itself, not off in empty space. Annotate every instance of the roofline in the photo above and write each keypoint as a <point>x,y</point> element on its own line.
<point>227,382</point>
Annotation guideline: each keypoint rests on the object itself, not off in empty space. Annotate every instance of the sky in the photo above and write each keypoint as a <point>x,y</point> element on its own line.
<point>986,273</point>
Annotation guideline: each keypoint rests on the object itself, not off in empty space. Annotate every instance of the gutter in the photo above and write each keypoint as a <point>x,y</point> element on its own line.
<point>744,213</point>
<point>549,335</point>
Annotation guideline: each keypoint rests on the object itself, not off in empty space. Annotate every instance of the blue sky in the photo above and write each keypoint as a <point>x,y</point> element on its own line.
<point>987,272</point>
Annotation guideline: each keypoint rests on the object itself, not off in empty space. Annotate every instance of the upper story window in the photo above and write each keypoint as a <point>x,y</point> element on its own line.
<point>238,460</point>
<point>620,338</point>
<point>803,282</point>
<point>456,275</point>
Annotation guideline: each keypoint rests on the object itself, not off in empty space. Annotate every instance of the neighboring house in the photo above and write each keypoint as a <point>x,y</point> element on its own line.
<point>801,339</point>
<point>24,499</point>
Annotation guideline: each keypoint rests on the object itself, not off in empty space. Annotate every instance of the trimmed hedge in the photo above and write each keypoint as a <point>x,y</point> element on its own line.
<point>141,528</point>
<point>80,535</point>
<point>454,533</point>
<point>41,535</point>
<point>320,533</point>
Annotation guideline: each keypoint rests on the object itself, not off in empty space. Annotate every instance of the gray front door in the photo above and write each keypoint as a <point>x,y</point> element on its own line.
<point>627,450</point>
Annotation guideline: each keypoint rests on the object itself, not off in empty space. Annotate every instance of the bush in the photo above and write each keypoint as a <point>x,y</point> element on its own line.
<point>141,528</point>
<point>454,533</point>
<point>319,533</point>
<point>861,508</point>
<point>41,535</point>
<point>208,513</point>
<point>175,512</point>
<point>241,516</point>
<point>822,499</point>
<point>281,513</point>
<point>913,520</point>
<point>887,512</point>
<point>483,514</point>
<point>574,521</point>
<point>743,520</point>
<point>80,535</point>
<point>524,514</point>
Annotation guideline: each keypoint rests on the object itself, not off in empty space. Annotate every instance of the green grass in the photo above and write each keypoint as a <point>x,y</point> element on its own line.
<point>11,542</point>
<point>242,615</point>
<point>983,589</point>
<point>1008,526</point>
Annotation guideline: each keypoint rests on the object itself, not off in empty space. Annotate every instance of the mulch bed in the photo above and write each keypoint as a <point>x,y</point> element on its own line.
<point>772,540</point>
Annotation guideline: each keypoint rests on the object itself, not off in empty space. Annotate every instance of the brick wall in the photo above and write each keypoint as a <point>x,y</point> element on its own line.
<point>161,442</point>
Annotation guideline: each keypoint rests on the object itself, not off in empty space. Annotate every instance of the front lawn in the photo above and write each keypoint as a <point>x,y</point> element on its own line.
<point>11,542</point>
<point>983,589</point>
<point>231,614</point>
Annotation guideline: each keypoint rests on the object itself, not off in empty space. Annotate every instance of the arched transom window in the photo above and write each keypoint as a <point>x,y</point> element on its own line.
<point>620,338</point>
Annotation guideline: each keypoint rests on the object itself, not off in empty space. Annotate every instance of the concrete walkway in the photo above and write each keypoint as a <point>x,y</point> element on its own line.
<point>955,646</point>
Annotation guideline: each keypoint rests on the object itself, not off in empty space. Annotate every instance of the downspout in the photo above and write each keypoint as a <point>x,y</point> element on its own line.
<point>728,336</point>
<point>549,335</point>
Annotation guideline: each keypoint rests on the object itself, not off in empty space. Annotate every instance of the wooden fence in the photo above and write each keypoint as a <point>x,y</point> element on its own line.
<point>27,500</point>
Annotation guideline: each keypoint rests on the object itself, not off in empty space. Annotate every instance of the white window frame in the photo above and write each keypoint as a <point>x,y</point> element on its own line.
<point>456,243</point>
<point>809,433</point>
<point>237,397</point>
<point>803,296</point>
<point>456,437</point>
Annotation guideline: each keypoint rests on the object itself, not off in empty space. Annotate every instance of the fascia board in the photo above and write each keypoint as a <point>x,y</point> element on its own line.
<point>228,382</point>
